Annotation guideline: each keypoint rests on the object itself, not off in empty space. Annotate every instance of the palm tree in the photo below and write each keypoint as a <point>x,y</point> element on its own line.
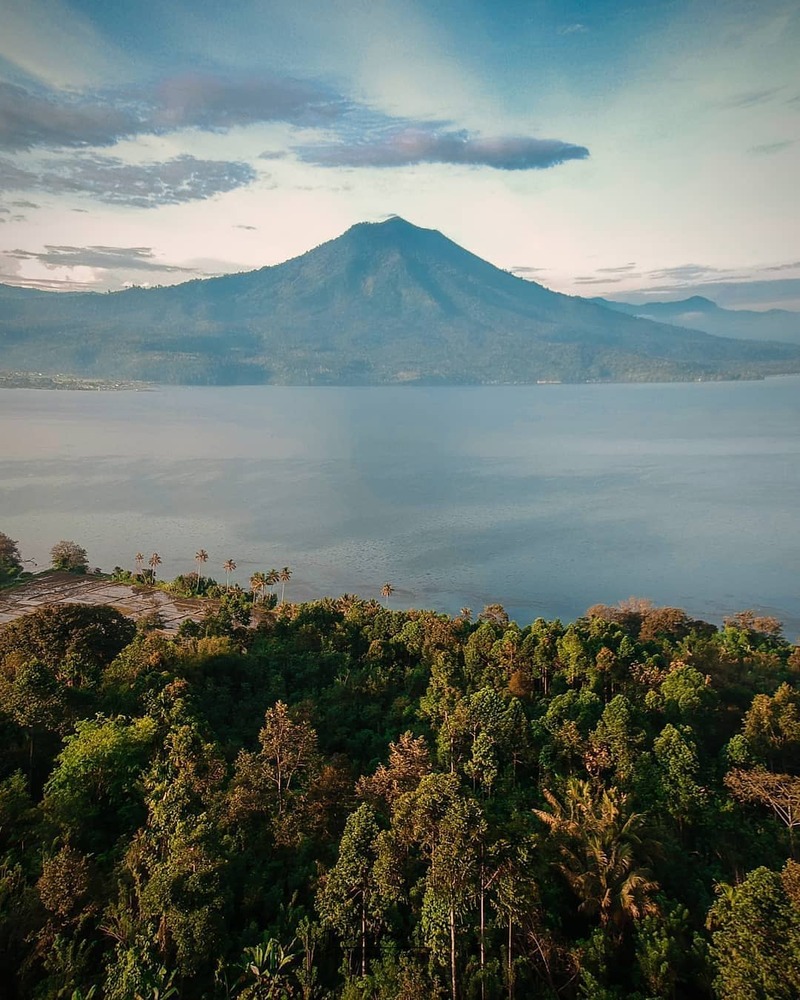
<point>139,560</point>
<point>229,566</point>
<point>153,561</point>
<point>257,584</point>
<point>386,592</point>
<point>599,840</point>
<point>273,577</point>
<point>200,557</point>
<point>284,576</point>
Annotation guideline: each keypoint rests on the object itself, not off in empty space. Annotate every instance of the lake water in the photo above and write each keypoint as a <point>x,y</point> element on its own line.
<point>545,498</point>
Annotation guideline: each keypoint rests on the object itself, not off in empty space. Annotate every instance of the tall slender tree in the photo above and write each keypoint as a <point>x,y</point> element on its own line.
<point>350,900</point>
<point>272,577</point>
<point>285,576</point>
<point>139,560</point>
<point>386,592</point>
<point>153,562</point>
<point>201,558</point>
<point>229,566</point>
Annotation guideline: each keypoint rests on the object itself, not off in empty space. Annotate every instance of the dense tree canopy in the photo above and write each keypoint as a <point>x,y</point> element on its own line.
<point>345,800</point>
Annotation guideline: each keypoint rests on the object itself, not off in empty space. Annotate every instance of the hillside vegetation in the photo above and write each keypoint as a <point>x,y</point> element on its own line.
<point>350,801</point>
<point>384,303</point>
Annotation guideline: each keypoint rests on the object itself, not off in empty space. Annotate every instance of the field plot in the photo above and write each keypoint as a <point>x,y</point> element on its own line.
<point>65,588</point>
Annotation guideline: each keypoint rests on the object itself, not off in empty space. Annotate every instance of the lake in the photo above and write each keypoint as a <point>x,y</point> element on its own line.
<point>546,499</point>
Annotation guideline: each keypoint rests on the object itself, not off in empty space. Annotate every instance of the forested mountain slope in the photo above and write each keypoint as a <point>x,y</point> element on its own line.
<point>383,303</point>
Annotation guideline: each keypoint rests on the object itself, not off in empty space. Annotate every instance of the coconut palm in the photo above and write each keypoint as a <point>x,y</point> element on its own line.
<point>153,562</point>
<point>284,576</point>
<point>200,557</point>
<point>229,566</point>
<point>273,577</point>
<point>386,592</point>
<point>601,843</point>
<point>258,582</point>
<point>139,560</point>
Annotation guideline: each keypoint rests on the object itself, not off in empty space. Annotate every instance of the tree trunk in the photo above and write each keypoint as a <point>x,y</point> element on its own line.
<point>363,937</point>
<point>453,952</point>
<point>483,932</point>
<point>510,963</point>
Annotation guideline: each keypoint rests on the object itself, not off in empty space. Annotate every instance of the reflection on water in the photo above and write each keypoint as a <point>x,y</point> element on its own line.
<point>545,498</point>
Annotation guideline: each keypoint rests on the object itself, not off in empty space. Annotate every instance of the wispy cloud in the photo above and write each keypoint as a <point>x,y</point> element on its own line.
<point>788,266</point>
<point>622,269</point>
<point>47,284</point>
<point>215,102</point>
<point>411,146</point>
<point>750,98</point>
<point>573,29</point>
<point>142,185</point>
<point>41,117</point>
<point>361,137</point>
<point>130,258</point>
<point>685,272</point>
<point>768,148</point>
<point>47,118</point>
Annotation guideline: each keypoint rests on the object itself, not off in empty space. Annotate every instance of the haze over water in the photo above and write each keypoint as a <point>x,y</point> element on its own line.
<point>545,498</point>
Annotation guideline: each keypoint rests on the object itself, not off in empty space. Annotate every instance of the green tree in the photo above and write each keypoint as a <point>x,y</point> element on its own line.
<point>755,942</point>
<point>351,900</point>
<point>69,556</point>
<point>76,641</point>
<point>772,728</point>
<point>94,793</point>
<point>678,767</point>
<point>446,829</point>
<point>35,701</point>
<point>229,566</point>
<point>670,955</point>
<point>451,883</point>
<point>10,559</point>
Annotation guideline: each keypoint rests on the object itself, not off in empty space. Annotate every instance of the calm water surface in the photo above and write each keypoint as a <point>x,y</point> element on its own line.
<point>545,498</point>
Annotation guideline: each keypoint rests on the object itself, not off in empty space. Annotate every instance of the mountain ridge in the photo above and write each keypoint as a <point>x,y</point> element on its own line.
<point>700,313</point>
<point>384,303</point>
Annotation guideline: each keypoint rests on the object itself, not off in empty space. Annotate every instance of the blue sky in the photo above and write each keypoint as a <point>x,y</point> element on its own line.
<point>650,147</point>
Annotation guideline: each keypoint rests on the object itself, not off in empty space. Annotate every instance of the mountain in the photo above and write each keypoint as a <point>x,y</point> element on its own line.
<point>699,313</point>
<point>383,303</point>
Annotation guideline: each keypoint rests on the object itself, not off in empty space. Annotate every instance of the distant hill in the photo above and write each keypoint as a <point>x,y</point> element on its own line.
<point>699,313</point>
<point>384,303</point>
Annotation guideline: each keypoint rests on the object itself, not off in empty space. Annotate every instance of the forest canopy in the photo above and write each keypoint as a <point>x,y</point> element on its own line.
<point>342,800</point>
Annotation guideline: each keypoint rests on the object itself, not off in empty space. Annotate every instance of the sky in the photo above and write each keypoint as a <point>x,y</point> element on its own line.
<point>642,150</point>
